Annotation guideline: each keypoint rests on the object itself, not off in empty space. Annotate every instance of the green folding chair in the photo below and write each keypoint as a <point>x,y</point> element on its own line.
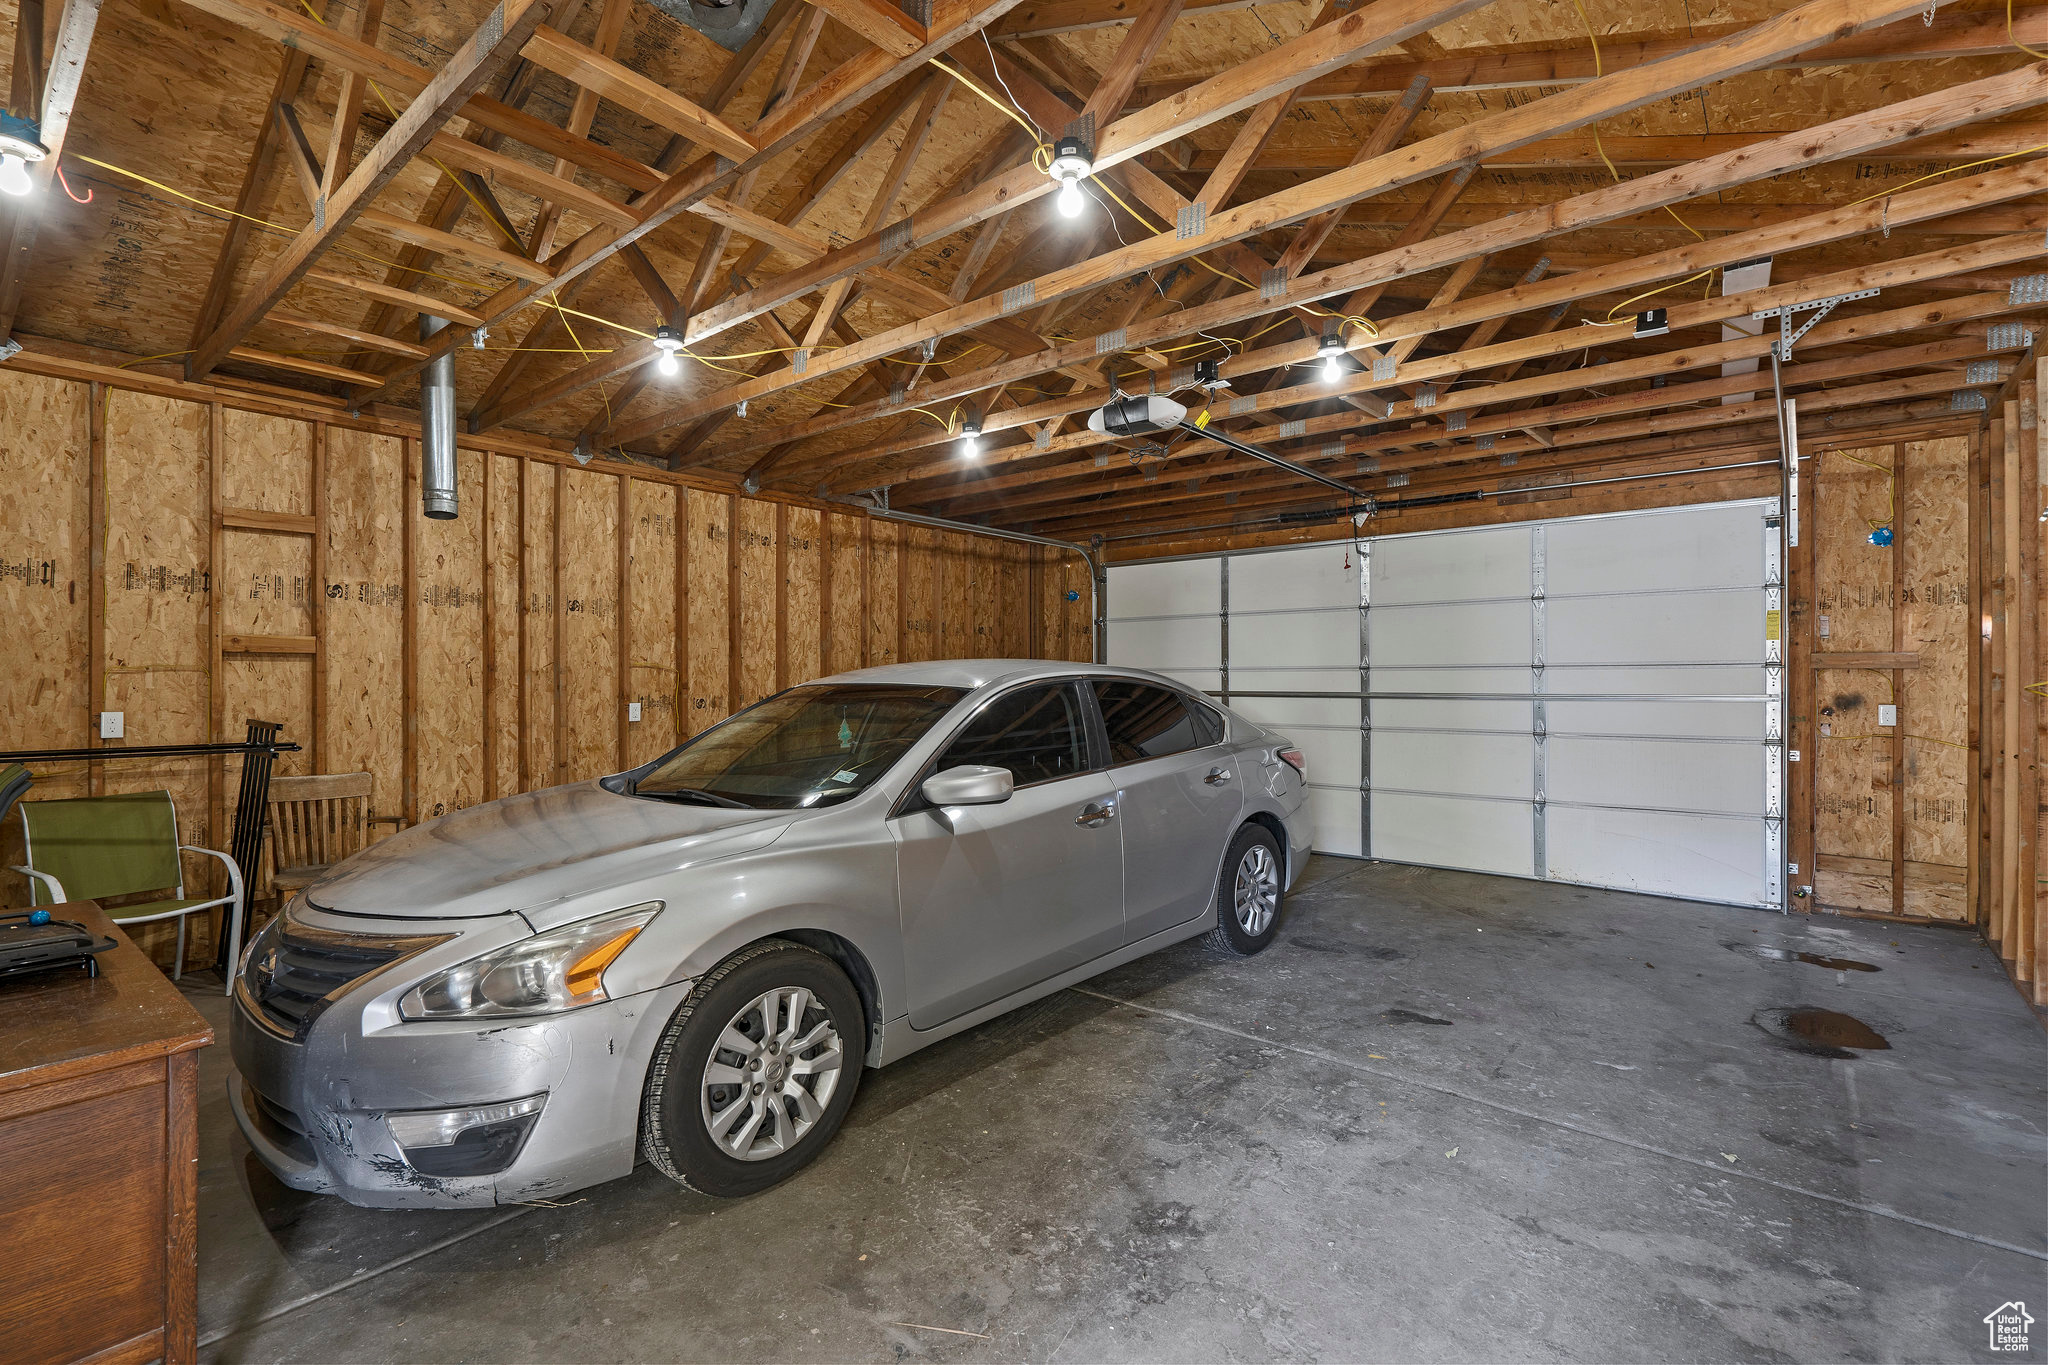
<point>92,847</point>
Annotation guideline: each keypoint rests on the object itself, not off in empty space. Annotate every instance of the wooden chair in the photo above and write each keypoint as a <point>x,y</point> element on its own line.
<point>90,848</point>
<point>315,822</point>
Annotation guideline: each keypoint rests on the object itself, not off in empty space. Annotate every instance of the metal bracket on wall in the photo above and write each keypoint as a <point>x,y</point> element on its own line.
<point>1820,308</point>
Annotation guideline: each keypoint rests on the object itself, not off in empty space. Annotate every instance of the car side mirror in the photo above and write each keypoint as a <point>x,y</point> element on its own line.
<point>970,784</point>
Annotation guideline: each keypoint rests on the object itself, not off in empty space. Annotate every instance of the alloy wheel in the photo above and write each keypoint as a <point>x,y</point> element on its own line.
<point>771,1075</point>
<point>1257,894</point>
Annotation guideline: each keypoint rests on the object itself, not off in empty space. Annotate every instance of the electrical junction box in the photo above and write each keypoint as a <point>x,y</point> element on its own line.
<point>632,710</point>
<point>113,724</point>
<point>1887,715</point>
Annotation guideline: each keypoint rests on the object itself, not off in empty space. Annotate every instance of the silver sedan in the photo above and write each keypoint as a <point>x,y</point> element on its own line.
<point>692,961</point>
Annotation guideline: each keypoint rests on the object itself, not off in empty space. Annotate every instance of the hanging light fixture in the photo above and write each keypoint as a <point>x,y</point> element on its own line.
<point>669,340</point>
<point>1331,349</point>
<point>970,438</point>
<point>20,143</point>
<point>1070,166</point>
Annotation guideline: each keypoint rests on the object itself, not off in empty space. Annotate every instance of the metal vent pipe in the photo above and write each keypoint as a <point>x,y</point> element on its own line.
<point>437,429</point>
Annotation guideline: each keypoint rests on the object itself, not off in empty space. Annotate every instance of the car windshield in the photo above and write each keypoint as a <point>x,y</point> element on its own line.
<point>809,746</point>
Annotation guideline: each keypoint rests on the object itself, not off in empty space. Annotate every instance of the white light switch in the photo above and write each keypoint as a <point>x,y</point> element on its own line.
<point>1887,715</point>
<point>1823,627</point>
<point>113,724</point>
<point>632,710</point>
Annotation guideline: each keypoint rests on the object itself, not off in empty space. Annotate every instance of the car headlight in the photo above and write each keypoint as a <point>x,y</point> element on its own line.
<point>259,955</point>
<point>546,974</point>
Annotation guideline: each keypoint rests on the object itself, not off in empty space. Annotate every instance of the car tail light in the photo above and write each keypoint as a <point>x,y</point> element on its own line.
<point>1294,759</point>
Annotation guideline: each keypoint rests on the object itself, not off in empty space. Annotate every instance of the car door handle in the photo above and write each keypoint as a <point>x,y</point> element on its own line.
<point>1095,814</point>
<point>1218,776</point>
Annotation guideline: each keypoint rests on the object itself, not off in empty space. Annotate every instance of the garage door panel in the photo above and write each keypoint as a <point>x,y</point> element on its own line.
<point>1453,567</point>
<point>1725,680</point>
<point>1289,713</point>
<point>1397,681</point>
<point>1496,633</point>
<point>1652,697</point>
<point>1337,818</point>
<point>1455,764</point>
<point>1327,639</point>
<point>1711,627</point>
<point>1693,547</point>
<point>1313,576</point>
<point>1311,680</point>
<point>1694,856</point>
<point>1452,713</point>
<point>1664,774</point>
<point>1184,587</point>
<point>1168,645</point>
<point>1670,717</point>
<point>1446,831</point>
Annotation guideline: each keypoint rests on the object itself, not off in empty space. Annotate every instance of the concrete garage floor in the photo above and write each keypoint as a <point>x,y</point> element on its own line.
<point>1598,1157</point>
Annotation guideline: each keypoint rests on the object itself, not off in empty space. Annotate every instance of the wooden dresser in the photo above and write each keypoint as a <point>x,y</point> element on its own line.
<point>99,1144</point>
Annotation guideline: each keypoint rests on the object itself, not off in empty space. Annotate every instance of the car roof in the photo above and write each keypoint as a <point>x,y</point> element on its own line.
<point>977,673</point>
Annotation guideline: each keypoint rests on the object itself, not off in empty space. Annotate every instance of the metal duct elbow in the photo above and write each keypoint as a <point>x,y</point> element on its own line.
<point>437,429</point>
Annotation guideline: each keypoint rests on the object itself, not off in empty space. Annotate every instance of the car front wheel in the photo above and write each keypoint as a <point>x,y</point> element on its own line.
<point>755,1072</point>
<point>1248,893</point>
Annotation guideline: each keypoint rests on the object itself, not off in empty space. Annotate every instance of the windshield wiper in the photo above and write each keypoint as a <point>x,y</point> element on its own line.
<point>696,794</point>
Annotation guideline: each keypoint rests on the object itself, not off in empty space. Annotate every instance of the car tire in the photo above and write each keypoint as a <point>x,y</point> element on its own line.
<point>685,1101</point>
<point>1248,893</point>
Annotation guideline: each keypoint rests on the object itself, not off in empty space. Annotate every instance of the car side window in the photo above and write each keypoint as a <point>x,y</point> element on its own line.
<point>1035,732</point>
<point>1208,723</point>
<point>1144,721</point>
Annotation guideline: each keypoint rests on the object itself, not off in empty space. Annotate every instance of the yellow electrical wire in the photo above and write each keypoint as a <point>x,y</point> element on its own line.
<point>1041,157</point>
<point>1600,147</point>
<point>1950,170</point>
<point>1891,486</point>
<point>2014,38</point>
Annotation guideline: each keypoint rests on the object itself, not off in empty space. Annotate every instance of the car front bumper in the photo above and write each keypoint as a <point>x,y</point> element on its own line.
<point>313,1110</point>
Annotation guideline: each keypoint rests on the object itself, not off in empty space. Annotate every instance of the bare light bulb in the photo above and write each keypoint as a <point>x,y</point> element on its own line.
<point>1332,371</point>
<point>668,366</point>
<point>1070,201</point>
<point>971,447</point>
<point>14,174</point>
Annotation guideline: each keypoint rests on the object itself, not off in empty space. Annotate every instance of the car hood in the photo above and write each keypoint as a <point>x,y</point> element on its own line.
<point>527,852</point>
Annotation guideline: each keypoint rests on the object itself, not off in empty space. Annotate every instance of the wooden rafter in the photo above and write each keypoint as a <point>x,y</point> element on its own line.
<point>1846,137</point>
<point>879,22</point>
<point>485,53</point>
<point>845,87</point>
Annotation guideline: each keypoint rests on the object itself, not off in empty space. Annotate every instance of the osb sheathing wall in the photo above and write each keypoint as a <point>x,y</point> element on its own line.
<point>192,565</point>
<point>1891,803</point>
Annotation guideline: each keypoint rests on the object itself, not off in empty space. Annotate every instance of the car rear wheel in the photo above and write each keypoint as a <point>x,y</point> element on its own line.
<point>1248,893</point>
<point>755,1072</point>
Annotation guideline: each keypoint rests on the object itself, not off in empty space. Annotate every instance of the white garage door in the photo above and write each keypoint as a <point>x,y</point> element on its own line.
<point>1592,700</point>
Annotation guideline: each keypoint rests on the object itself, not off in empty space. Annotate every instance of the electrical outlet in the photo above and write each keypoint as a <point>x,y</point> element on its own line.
<point>113,724</point>
<point>632,710</point>
<point>1887,715</point>
<point>1792,756</point>
<point>1792,868</point>
<point>1823,627</point>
